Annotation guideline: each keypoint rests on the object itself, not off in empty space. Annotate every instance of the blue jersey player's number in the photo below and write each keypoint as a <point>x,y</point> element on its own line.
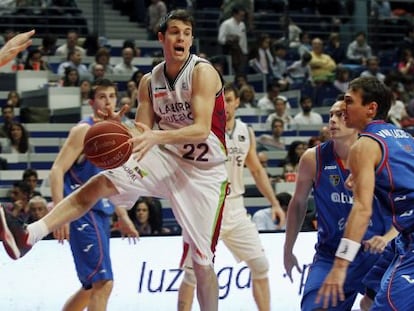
<point>196,152</point>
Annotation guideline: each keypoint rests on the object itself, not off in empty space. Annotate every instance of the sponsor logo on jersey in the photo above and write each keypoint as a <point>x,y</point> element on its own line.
<point>400,198</point>
<point>341,198</point>
<point>334,180</point>
<point>407,278</point>
<point>242,138</point>
<point>88,248</point>
<point>330,167</point>
<point>82,227</point>
<point>160,94</point>
<point>158,88</point>
<point>407,213</point>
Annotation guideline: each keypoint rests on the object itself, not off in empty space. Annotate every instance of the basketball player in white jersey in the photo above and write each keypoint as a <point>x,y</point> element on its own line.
<point>238,232</point>
<point>182,161</point>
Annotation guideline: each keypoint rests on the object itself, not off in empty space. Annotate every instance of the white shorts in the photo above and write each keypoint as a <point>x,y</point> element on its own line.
<point>239,233</point>
<point>196,195</point>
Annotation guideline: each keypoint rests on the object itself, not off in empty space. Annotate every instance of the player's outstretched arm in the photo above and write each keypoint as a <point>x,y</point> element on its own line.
<point>14,46</point>
<point>297,208</point>
<point>262,181</point>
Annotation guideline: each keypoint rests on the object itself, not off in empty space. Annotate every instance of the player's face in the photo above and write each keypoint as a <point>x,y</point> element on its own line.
<point>232,102</point>
<point>177,40</point>
<point>337,125</point>
<point>356,114</point>
<point>105,99</point>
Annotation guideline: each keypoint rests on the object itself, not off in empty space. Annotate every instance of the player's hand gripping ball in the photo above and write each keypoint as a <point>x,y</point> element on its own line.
<point>106,144</point>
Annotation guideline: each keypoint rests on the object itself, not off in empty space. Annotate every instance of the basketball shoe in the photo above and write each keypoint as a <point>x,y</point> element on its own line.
<point>14,235</point>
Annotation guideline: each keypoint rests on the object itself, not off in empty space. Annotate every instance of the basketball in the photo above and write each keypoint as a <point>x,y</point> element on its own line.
<point>106,144</point>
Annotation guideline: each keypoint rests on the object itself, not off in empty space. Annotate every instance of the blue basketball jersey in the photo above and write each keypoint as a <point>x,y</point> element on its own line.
<point>79,173</point>
<point>334,201</point>
<point>394,180</point>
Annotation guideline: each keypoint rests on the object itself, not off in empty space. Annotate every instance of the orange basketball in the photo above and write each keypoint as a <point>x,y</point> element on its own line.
<point>106,144</point>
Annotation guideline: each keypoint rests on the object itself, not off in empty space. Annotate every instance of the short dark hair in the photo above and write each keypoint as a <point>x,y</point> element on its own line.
<point>29,173</point>
<point>183,15</point>
<point>284,199</point>
<point>277,120</point>
<point>101,83</point>
<point>23,186</point>
<point>229,87</point>
<point>373,90</point>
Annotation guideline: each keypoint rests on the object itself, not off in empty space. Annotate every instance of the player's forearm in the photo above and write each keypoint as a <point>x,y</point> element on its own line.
<point>264,186</point>
<point>390,234</point>
<point>56,185</point>
<point>357,223</point>
<point>190,134</point>
<point>295,216</point>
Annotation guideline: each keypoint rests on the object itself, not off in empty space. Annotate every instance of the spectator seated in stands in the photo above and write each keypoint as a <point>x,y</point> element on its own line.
<point>295,152</point>
<point>7,112</point>
<point>137,76</point>
<point>321,64</point>
<point>335,48</point>
<point>279,66</point>
<point>342,79</point>
<point>130,43</point>
<point>71,77</point>
<point>70,45</point>
<point>31,178</point>
<point>406,63</point>
<point>19,197</point>
<point>261,56</point>
<point>274,141</point>
<point>34,61</point>
<point>13,99</point>
<point>85,91</point>
<point>74,60</point>
<point>48,46</point>
<point>38,208</point>
<point>307,116</point>
<point>373,69</point>
<point>102,57</point>
<point>305,43</point>
<point>358,51</point>
<point>267,101</point>
<point>98,72</point>
<point>131,93</point>
<point>91,44</point>
<point>280,112</point>
<point>125,67</point>
<point>247,96</point>
<point>146,218</point>
<point>299,72</point>
<point>263,217</point>
<point>18,140</point>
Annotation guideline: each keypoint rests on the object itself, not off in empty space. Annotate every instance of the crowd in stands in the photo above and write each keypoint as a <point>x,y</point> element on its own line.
<point>319,68</point>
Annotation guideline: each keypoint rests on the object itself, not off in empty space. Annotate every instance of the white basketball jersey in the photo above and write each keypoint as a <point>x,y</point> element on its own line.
<point>238,144</point>
<point>172,105</point>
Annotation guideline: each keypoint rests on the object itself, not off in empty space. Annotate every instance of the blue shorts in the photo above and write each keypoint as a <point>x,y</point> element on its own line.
<point>397,283</point>
<point>372,279</point>
<point>320,268</point>
<point>89,241</point>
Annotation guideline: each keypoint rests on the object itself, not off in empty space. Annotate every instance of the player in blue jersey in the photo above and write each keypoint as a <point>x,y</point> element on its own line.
<point>324,170</point>
<point>89,235</point>
<point>382,165</point>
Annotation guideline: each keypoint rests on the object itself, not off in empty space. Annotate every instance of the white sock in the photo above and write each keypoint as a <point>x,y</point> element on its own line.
<point>37,231</point>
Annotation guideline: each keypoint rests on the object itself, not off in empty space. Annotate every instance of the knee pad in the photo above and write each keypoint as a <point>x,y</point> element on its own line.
<point>259,267</point>
<point>189,276</point>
